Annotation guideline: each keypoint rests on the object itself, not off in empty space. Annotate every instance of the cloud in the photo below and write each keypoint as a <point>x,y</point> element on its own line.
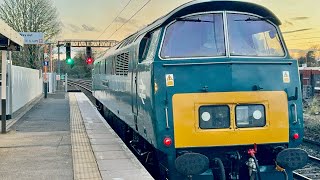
<point>299,18</point>
<point>124,20</point>
<point>298,30</point>
<point>121,20</point>
<point>74,28</point>
<point>88,28</point>
<point>287,23</point>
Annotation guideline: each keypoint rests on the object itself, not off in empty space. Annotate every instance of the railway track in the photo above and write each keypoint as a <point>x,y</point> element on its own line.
<point>312,170</point>
<point>84,84</point>
<point>309,141</point>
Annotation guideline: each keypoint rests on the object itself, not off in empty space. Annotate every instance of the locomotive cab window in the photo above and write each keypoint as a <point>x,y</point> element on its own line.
<point>143,47</point>
<point>253,36</point>
<point>195,36</point>
<point>151,47</point>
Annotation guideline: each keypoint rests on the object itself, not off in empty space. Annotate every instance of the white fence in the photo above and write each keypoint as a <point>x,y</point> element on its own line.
<point>26,85</point>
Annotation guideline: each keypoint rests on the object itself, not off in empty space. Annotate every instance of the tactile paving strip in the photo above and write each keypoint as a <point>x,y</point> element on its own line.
<point>84,162</point>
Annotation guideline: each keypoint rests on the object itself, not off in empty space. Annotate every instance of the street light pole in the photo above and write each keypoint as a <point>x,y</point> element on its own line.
<point>58,59</point>
<point>4,92</point>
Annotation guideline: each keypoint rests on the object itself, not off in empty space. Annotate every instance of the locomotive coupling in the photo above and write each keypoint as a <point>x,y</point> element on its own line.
<point>252,167</point>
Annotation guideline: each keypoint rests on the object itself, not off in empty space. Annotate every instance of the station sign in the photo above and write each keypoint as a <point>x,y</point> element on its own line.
<point>32,37</point>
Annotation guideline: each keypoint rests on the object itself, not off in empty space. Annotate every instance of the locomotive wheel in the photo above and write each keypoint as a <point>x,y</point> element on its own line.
<point>218,170</point>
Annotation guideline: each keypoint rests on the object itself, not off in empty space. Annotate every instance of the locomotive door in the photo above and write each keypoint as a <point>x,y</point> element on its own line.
<point>134,97</point>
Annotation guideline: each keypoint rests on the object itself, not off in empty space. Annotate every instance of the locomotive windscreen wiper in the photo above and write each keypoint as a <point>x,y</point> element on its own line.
<point>254,19</point>
<point>193,20</point>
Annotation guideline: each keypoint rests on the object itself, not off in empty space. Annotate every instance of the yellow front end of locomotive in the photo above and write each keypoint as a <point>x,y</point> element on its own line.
<point>189,133</point>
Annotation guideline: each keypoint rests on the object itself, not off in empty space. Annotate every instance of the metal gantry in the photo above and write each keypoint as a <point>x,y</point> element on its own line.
<point>89,43</point>
<point>84,43</point>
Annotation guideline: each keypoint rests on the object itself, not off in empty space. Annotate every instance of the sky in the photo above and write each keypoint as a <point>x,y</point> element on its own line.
<point>84,19</point>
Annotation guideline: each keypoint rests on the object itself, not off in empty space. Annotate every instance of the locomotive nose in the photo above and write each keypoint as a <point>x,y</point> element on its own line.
<point>192,164</point>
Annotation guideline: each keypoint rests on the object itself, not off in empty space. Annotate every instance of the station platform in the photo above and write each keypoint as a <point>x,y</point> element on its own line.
<point>65,137</point>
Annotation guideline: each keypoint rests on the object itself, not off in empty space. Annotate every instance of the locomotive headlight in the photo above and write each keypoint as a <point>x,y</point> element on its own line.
<point>257,114</point>
<point>205,116</point>
<point>250,116</point>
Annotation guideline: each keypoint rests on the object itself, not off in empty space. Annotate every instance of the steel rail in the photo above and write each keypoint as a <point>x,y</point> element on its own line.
<point>311,141</point>
<point>314,159</point>
<point>300,176</point>
<point>80,85</point>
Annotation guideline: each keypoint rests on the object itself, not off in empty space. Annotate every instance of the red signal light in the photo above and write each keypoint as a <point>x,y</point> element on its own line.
<point>89,60</point>
<point>167,141</point>
<point>295,136</point>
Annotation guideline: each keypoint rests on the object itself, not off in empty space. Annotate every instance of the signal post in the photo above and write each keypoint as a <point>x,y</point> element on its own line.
<point>88,44</point>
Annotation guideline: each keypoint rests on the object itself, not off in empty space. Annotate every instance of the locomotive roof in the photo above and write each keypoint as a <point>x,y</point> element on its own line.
<point>197,6</point>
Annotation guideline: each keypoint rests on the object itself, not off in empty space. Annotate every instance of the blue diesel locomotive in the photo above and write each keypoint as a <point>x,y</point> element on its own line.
<point>207,91</point>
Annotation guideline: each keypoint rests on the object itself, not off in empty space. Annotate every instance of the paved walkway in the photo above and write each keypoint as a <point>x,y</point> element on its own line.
<point>64,137</point>
<point>114,159</point>
<point>84,162</point>
<point>39,145</point>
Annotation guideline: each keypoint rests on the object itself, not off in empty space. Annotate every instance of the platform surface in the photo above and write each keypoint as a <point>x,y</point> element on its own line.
<point>64,137</point>
<point>115,161</point>
<point>38,145</point>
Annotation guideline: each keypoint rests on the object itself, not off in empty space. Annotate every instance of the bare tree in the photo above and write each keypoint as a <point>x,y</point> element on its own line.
<point>316,50</point>
<point>31,16</point>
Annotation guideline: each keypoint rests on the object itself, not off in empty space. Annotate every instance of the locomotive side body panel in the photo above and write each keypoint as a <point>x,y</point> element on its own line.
<point>125,89</point>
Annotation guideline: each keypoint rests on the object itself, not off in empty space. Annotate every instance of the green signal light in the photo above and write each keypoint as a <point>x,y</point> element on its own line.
<point>70,61</point>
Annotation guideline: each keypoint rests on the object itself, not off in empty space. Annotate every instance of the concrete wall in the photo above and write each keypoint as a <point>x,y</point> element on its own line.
<point>26,85</point>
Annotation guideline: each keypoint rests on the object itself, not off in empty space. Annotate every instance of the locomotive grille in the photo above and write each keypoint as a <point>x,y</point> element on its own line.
<point>122,64</point>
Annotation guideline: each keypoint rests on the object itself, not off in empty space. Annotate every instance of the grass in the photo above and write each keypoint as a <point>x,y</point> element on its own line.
<point>313,108</point>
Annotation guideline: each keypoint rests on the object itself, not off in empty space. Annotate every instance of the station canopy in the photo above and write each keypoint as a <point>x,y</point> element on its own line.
<point>10,39</point>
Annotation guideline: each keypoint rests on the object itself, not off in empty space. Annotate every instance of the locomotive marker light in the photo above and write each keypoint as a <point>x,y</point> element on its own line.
<point>257,114</point>
<point>205,116</point>
<point>167,141</point>
<point>295,136</point>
